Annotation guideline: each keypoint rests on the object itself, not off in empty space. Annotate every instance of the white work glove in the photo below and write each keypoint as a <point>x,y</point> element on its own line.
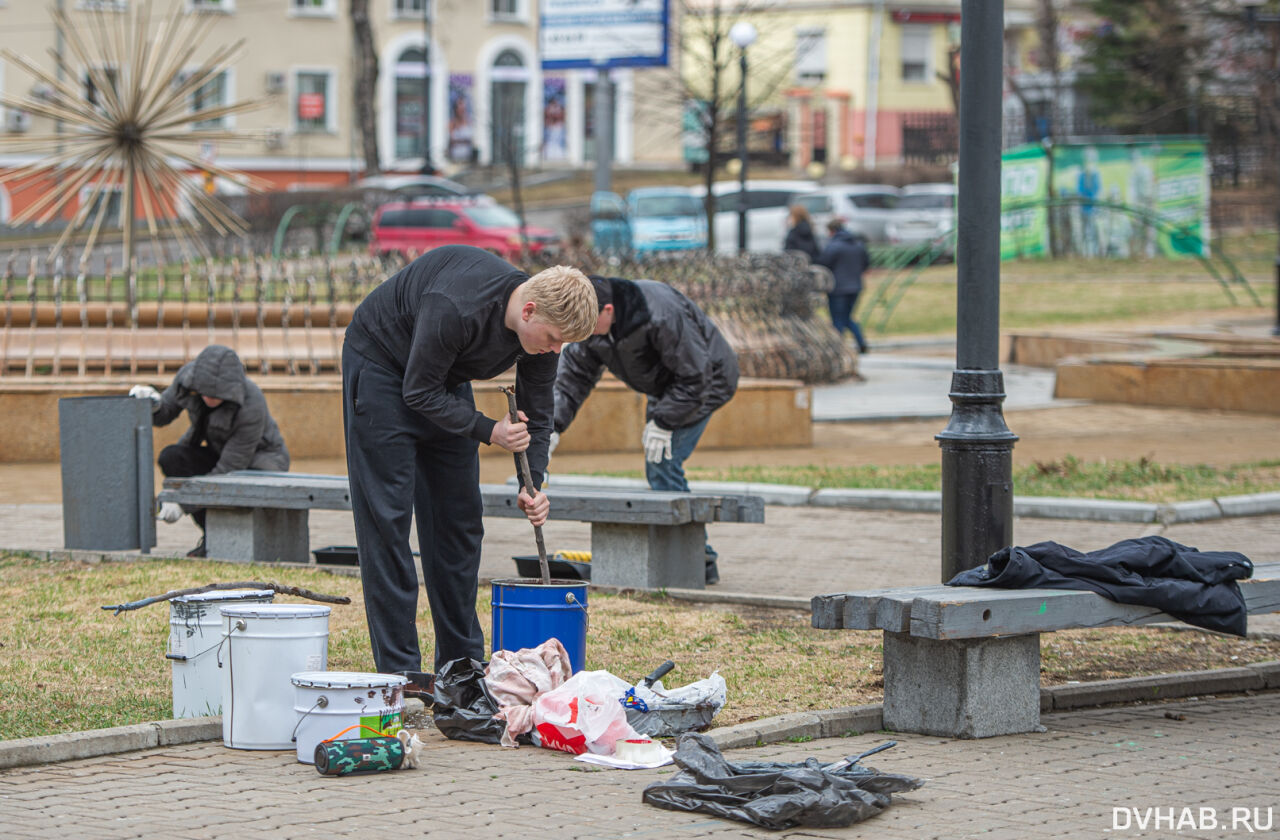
<point>169,511</point>
<point>555,441</point>
<point>145,392</point>
<point>656,442</point>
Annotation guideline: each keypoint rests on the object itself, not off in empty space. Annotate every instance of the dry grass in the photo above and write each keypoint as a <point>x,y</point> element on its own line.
<point>66,664</point>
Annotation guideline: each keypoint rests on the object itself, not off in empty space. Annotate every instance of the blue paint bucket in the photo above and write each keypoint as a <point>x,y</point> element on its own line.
<point>526,613</point>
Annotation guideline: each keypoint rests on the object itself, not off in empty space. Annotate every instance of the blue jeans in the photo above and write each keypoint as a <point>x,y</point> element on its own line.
<point>668,474</point>
<point>841,306</point>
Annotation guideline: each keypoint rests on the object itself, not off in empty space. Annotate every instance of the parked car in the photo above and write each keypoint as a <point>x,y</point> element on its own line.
<point>610,230</point>
<point>865,208</point>
<point>651,219</point>
<point>924,213</point>
<point>408,228</point>
<point>767,203</point>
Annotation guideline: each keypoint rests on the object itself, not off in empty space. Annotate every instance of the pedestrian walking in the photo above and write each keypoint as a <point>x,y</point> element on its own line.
<point>800,233</point>
<point>846,256</point>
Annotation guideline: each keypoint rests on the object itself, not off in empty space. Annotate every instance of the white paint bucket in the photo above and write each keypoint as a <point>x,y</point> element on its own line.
<point>195,631</point>
<point>327,702</point>
<point>263,646</point>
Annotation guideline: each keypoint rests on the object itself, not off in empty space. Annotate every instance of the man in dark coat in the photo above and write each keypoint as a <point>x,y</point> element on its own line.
<point>657,342</point>
<point>846,256</point>
<point>414,344</point>
<point>231,428</point>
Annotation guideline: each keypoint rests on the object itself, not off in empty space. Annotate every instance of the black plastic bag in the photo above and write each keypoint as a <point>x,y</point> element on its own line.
<point>773,794</point>
<point>463,709</point>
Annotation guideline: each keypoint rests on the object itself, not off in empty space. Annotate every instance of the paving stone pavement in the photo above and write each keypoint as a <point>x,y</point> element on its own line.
<point>1088,775</point>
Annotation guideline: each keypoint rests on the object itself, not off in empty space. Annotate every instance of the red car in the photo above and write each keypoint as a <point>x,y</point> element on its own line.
<point>408,228</point>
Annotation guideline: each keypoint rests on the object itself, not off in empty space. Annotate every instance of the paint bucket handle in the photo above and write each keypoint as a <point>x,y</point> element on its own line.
<point>571,598</point>
<point>321,702</point>
<point>239,625</point>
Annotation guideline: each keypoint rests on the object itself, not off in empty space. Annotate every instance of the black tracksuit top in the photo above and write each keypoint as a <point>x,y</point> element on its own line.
<point>439,323</point>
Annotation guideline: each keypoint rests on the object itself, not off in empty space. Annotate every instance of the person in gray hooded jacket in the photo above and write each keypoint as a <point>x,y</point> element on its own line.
<point>658,342</point>
<point>231,428</point>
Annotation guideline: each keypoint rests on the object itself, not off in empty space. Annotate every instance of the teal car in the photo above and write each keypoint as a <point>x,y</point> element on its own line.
<point>656,219</point>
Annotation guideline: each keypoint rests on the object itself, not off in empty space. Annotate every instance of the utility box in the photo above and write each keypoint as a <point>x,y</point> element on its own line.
<point>108,481</point>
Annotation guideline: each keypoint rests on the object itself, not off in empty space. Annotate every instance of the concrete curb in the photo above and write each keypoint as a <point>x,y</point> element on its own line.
<point>928,501</point>
<point>796,726</point>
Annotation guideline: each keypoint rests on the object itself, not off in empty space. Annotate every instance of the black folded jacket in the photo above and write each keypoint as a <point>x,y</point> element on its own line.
<point>1198,587</point>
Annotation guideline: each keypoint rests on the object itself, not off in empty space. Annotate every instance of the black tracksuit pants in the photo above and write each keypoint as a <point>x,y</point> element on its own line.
<point>399,463</point>
<point>182,460</point>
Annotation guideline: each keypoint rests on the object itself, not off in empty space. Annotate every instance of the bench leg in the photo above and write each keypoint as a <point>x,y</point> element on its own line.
<point>262,535</point>
<point>962,688</point>
<point>649,556</point>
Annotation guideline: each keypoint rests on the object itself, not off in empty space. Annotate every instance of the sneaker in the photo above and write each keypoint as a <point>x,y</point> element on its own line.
<point>713,573</point>
<point>198,551</point>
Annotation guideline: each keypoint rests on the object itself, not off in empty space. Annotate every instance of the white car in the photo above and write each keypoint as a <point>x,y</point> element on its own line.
<point>767,207</point>
<point>925,212</point>
<point>865,208</point>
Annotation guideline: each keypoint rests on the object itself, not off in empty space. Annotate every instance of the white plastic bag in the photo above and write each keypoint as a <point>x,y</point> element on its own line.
<point>583,715</point>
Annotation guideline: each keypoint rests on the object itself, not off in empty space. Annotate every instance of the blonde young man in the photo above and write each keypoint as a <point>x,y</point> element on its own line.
<point>413,432</point>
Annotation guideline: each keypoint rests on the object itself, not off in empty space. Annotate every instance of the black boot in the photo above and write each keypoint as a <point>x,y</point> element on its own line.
<point>199,550</point>
<point>713,573</point>
<point>420,685</point>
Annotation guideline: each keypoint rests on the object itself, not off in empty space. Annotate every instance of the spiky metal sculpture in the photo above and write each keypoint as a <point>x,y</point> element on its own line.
<point>139,136</point>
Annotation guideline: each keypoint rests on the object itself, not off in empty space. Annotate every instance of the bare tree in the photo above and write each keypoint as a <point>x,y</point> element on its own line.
<point>706,75</point>
<point>366,84</point>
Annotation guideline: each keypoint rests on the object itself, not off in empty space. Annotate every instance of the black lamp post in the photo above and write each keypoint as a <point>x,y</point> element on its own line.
<point>977,446</point>
<point>427,168</point>
<point>743,34</point>
<point>1255,21</point>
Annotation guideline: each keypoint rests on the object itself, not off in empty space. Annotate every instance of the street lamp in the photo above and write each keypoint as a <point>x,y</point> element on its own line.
<point>1254,21</point>
<point>743,34</point>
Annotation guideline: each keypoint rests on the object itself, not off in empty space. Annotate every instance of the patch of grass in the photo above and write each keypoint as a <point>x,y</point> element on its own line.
<point>1142,480</point>
<point>67,665</point>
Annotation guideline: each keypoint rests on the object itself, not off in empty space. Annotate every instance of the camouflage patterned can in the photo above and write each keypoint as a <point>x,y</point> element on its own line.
<point>358,755</point>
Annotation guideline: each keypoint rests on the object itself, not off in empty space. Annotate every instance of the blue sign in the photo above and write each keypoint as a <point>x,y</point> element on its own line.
<point>586,34</point>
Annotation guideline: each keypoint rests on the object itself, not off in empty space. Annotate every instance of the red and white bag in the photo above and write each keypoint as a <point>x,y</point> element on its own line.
<point>584,714</point>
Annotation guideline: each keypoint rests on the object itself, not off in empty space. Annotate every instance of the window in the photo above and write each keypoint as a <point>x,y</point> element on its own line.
<point>811,56</point>
<point>313,101</point>
<point>211,5</point>
<point>211,94</point>
<point>917,44</point>
<point>103,5</point>
<point>313,8</point>
<point>413,9</point>
<point>92,94</point>
<point>507,9</point>
<point>412,100</point>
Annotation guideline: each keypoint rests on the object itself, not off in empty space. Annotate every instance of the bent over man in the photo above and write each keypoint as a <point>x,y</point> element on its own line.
<point>455,314</point>
<point>658,342</point>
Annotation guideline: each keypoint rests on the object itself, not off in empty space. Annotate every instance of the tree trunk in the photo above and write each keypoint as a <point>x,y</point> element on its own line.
<point>366,84</point>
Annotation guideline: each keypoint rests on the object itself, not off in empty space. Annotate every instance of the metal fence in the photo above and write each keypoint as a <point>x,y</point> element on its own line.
<point>288,316</point>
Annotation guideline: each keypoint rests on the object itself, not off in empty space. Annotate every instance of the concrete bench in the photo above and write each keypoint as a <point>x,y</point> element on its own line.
<point>964,662</point>
<point>640,539</point>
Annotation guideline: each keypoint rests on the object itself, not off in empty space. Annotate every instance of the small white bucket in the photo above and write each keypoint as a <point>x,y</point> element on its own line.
<point>195,631</point>
<point>327,702</point>
<point>264,646</point>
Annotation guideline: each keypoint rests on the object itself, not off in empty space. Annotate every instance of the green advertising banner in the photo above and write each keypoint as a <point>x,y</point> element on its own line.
<point>1024,187</point>
<point>1121,199</point>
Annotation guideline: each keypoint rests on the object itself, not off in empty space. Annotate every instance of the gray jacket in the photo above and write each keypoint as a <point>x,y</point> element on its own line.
<point>662,345</point>
<point>240,430</point>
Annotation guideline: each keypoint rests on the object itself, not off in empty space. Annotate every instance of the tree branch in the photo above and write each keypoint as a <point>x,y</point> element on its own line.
<point>196,590</point>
